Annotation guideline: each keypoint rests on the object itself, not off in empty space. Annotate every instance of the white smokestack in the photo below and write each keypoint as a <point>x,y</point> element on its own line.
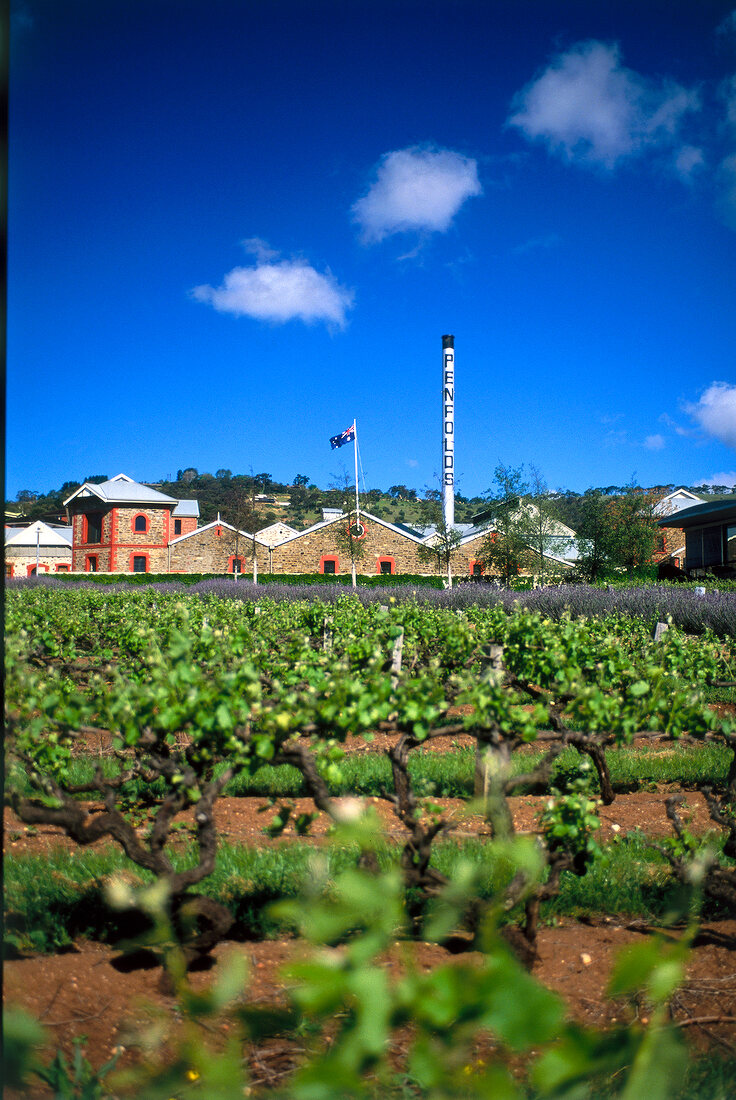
<point>448,430</point>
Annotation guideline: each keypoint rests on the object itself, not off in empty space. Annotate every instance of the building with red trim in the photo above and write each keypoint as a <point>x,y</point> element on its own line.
<point>120,526</point>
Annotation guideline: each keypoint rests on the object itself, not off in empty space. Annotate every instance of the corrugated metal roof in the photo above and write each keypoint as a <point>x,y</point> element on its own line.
<point>186,508</point>
<point>121,489</point>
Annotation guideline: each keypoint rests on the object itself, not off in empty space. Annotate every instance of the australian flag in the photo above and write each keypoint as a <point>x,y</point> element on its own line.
<point>345,437</point>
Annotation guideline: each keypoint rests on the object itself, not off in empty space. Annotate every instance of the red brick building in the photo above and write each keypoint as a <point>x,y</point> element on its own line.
<point>120,526</point>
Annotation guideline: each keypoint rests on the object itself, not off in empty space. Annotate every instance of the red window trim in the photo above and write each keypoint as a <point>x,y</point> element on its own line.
<point>91,557</point>
<point>138,554</point>
<point>231,562</point>
<point>63,567</point>
<point>386,557</point>
<point>146,529</point>
<point>473,563</point>
<point>329,557</point>
<point>9,569</point>
<point>41,568</point>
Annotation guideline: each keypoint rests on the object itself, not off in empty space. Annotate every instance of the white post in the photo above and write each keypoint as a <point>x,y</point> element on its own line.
<point>255,567</point>
<point>357,498</point>
<point>38,546</point>
<point>355,451</point>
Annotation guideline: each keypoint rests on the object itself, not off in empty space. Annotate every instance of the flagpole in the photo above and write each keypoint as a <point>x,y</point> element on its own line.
<point>355,449</point>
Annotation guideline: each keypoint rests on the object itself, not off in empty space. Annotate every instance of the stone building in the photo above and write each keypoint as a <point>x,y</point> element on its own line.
<point>218,547</point>
<point>50,546</point>
<point>120,526</point>
<point>384,548</point>
<point>275,532</point>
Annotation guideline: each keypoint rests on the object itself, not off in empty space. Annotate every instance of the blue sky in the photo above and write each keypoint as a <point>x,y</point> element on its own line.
<point>236,226</point>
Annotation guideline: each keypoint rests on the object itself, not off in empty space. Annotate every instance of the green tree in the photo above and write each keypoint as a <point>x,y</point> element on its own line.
<point>547,535</point>
<point>240,511</point>
<point>593,535</point>
<point>510,530</point>
<point>633,528</point>
<point>443,544</point>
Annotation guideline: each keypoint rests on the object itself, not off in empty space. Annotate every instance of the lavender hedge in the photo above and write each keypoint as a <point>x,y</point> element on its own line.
<point>689,610</point>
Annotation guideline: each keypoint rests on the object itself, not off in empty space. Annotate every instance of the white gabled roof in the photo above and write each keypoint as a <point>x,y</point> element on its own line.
<point>121,489</point>
<point>676,501</point>
<point>215,523</point>
<point>39,533</point>
<point>343,515</point>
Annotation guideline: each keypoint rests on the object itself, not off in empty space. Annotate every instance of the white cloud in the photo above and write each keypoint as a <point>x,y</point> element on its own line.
<point>551,240</point>
<point>728,95</point>
<point>726,182</point>
<point>688,433</point>
<point>416,189</point>
<point>586,106</point>
<point>654,442</point>
<point>278,291</point>
<point>728,26</point>
<point>729,480</point>
<point>715,412</point>
<point>687,160</point>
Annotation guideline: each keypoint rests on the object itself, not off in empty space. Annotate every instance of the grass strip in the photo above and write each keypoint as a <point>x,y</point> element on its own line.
<point>450,775</point>
<point>55,898</point>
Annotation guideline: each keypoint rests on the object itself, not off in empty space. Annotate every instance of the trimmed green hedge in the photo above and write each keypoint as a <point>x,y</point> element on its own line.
<point>263,578</point>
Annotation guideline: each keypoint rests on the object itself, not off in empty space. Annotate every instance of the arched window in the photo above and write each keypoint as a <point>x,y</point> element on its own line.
<point>140,523</point>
